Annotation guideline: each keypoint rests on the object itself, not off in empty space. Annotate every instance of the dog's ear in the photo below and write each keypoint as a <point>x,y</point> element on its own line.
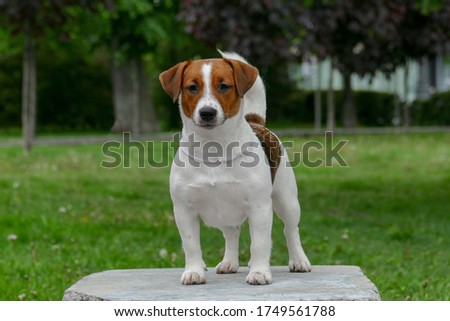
<point>171,79</point>
<point>244,75</point>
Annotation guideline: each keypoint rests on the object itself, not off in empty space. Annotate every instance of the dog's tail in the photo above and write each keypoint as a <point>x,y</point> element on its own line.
<point>255,97</point>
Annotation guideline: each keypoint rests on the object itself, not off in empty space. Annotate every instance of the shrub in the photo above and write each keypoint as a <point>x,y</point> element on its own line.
<point>10,91</point>
<point>75,95</point>
<point>373,108</point>
<point>434,111</point>
<point>72,94</point>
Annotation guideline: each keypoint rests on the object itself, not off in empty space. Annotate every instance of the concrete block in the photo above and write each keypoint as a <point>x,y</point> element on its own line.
<point>333,283</point>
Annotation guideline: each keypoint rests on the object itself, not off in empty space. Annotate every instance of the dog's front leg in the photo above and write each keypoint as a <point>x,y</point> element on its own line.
<point>230,262</point>
<point>189,228</point>
<point>260,223</point>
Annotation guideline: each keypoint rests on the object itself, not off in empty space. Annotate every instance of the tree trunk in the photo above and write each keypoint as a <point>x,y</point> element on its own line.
<point>135,97</point>
<point>122,97</point>
<point>29,93</point>
<point>331,123</point>
<point>318,100</point>
<point>406,109</point>
<point>133,107</point>
<point>349,113</point>
<point>149,121</point>
<point>423,85</point>
<point>396,121</point>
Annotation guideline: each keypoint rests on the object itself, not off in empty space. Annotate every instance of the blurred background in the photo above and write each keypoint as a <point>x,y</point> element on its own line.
<point>92,66</point>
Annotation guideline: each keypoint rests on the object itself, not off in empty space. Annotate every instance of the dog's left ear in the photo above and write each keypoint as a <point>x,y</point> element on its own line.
<point>171,79</point>
<point>244,75</point>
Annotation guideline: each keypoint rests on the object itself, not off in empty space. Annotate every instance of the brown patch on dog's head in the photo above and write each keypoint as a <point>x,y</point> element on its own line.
<point>192,87</point>
<point>224,87</point>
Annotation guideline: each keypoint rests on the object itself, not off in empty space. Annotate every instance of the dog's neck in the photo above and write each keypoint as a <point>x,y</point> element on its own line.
<point>227,139</point>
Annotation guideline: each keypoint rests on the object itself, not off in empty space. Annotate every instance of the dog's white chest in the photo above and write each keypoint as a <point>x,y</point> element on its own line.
<point>219,202</point>
<point>221,196</point>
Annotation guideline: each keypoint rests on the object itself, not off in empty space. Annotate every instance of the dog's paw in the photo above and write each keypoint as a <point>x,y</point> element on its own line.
<point>190,277</point>
<point>225,267</point>
<point>300,265</point>
<point>259,278</point>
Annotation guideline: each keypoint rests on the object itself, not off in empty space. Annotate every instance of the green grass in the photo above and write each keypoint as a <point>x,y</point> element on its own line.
<point>388,212</point>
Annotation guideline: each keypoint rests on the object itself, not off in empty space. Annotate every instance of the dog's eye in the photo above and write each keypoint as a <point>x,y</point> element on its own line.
<point>193,89</point>
<point>223,88</point>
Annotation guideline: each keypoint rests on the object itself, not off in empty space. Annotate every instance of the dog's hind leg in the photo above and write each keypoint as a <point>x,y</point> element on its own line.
<point>230,262</point>
<point>287,208</point>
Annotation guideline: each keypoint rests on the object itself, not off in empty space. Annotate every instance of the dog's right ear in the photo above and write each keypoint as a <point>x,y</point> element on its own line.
<point>171,79</point>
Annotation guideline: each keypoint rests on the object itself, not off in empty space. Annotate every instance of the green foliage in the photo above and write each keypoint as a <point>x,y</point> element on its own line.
<point>74,92</point>
<point>63,217</point>
<point>8,45</point>
<point>374,108</point>
<point>10,95</point>
<point>137,27</point>
<point>430,6</point>
<point>75,95</point>
<point>433,111</point>
<point>80,94</point>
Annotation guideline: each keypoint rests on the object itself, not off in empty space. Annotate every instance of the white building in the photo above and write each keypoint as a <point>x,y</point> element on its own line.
<point>423,78</point>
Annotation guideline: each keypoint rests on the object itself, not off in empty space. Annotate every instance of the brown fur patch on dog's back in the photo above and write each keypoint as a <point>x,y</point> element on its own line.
<point>255,119</point>
<point>269,141</point>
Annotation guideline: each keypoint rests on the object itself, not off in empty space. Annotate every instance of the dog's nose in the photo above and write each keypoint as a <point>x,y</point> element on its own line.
<point>207,113</point>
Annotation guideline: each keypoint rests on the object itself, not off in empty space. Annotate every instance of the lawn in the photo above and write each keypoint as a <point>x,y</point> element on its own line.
<point>63,216</point>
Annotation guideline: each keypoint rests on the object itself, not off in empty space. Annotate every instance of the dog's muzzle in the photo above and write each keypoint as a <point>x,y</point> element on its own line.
<point>208,117</point>
<point>207,114</point>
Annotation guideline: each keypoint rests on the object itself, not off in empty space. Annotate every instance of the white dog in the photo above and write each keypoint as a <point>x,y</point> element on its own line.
<point>229,167</point>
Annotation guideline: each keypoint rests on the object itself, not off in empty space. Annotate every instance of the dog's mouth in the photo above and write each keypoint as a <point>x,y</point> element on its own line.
<point>208,125</point>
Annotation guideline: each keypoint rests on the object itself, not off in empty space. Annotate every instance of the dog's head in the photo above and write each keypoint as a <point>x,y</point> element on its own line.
<point>210,91</point>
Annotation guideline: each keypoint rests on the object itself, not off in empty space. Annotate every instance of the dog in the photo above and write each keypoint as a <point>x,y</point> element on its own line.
<point>222,103</point>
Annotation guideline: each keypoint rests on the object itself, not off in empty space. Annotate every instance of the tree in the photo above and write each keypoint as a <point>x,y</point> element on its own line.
<point>358,36</point>
<point>331,105</point>
<point>136,28</point>
<point>260,30</point>
<point>424,33</point>
<point>33,18</point>
<point>364,37</point>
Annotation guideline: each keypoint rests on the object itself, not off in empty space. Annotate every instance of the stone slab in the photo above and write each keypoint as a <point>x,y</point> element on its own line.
<point>329,283</point>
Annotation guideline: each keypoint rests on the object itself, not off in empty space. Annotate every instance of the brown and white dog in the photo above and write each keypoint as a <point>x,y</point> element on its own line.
<point>222,173</point>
